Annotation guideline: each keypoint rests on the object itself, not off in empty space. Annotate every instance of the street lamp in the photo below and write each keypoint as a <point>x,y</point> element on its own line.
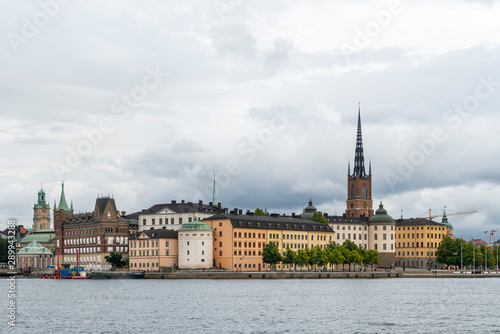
<point>461,256</point>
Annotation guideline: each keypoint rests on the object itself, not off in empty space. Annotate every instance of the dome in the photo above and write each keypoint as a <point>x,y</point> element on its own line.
<point>308,211</point>
<point>444,221</point>
<point>195,225</point>
<point>34,248</point>
<point>381,216</point>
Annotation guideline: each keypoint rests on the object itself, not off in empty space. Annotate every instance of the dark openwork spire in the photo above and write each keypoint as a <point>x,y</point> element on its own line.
<point>359,159</point>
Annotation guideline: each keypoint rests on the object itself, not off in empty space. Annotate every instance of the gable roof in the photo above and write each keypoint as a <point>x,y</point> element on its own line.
<point>417,221</point>
<point>180,208</point>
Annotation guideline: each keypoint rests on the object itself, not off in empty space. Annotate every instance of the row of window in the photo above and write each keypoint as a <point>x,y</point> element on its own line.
<point>413,253</point>
<point>418,227</point>
<point>245,244</point>
<point>421,235</point>
<point>249,253</point>
<point>419,244</point>
<point>249,235</point>
<point>90,231</point>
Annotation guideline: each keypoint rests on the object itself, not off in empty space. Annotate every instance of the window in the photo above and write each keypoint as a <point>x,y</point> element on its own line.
<point>352,191</point>
<point>384,247</point>
<point>188,243</point>
<point>143,223</point>
<point>220,223</point>
<point>220,253</point>
<point>166,253</point>
<point>172,221</point>
<point>363,191</point>
<point>384,228</point>
<point>161,221</point>
<point>220,243</point>
<point>187,252</point>
<point>376,246</point>
<point>153,221</point>
<point>245,235</point>
<point>167,244</point>
<point>375,236</point>
<point>202,252</point>
<point>180,220</point>
<point>235,234</point>
<point>189,219</point>
<point>384,236</point>
<point>220,233</point>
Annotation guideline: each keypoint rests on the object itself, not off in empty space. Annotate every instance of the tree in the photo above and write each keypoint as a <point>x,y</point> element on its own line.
<point>372,257</point>
<point>317,256</point>
<point>446,250</point>
<point>4,244</point>
<point>290,256</point>
<point>259,212</point>
<point>335,257</point>
<point>318,217</point>
<point>271,254</point>
<point>116,260</point>
<point>350,245</point>
<point>302,258</point>
<point>345,256</point>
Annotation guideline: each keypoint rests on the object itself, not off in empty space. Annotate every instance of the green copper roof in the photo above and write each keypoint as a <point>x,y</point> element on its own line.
<point>63,205</point>
<point>381,216</point>
<point>34,248</point>
<point>41,200</point>
<point>445,222</point>
<point>195,225</point>
<point>43,236</point>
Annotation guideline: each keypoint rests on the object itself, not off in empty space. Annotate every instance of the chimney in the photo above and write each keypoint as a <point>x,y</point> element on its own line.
<point>174,202</point>
<point>241,212</point>
<point>123,213</point>
<point>200,202</point>
<point>182,201</point>
<point>293,214</point>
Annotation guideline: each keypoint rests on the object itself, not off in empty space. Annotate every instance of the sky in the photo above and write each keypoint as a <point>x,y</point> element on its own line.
<point>146,100</point>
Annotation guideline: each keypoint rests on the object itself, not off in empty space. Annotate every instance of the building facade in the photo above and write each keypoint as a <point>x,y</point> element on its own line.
<point>381,237</point>
<point>34,257</point>
<point>151,250</point>
<point>417,240</point>
<point>196,250</point>
<point>172,215</point>
<point>90,236</point>
<point>239,239</point>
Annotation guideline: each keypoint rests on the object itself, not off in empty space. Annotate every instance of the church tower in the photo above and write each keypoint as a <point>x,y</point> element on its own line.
<point>41,215</point>
<point>61,213</point>
<point>359,184</point>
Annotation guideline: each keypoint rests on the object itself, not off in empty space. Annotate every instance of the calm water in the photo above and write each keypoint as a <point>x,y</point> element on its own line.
<point>255,306</point>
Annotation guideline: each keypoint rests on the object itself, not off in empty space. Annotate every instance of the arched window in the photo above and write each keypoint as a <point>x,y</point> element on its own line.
<point>352,191</point>
<point>363,191</point>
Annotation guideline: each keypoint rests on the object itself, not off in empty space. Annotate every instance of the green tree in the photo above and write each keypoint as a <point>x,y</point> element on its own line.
<point>350,245</point>
<point>318,257</point>
<point>302,258</point>
<point>259,212</point>
<point>290,257</point>
<point>319,217</point>
<point>354,258</point>
<point>116,260</point>
<point>271,254</point>
<point>335,257</point>
<point>345,256</point>
<point>372,257</point>
<point>3,250</point>
<point>447,251</point>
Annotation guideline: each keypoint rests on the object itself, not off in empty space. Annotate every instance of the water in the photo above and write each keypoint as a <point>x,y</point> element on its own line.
<point>255,306</point>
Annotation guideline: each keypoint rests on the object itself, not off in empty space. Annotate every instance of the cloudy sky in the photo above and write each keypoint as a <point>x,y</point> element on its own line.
<point>145,100</point>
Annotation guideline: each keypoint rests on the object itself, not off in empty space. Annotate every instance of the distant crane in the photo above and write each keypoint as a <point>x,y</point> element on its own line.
<point>430,216</point>
<point>492,232</point>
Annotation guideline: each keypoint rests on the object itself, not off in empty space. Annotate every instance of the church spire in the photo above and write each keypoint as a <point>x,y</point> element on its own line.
<point>63,205</point>
<point>359,160</point>
<point>214,199</point>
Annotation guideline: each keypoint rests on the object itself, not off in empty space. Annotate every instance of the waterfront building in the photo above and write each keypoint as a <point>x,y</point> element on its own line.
<point>359,183</point>
<point>172,215</point>
<point>150,250</point>
<point>381,236</point>
<point>354,229</point>
<point>34,257</point>
<point>91,236</point>
<point>239,239</point>
<point>40,231</point>
<point>196,240</point>
<point>417,240</point>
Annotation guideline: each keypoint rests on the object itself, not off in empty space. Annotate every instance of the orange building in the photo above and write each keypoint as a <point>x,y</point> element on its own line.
<point>152,249</point>
<point>239,239</point>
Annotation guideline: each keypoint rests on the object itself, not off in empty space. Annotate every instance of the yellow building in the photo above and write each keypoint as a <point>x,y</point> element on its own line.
<point>239,239</point>
<point>417,240</point>
<point>152,249</point>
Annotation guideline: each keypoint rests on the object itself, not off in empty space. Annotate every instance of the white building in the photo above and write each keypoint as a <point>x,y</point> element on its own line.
<point>195,242</point>
<point>173,215</point>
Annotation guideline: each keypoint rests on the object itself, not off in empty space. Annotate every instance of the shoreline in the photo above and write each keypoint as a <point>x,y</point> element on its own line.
<point>297,275</point>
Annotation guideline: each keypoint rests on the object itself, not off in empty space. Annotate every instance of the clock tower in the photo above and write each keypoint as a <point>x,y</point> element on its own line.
<point>41,215</point>
<point>359,184</point>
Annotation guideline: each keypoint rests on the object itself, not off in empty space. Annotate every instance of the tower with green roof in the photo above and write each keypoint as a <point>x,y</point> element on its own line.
<point>449,227</point>
<point>41,214</point>
<point>195,245</point>
<point>61,213</point>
